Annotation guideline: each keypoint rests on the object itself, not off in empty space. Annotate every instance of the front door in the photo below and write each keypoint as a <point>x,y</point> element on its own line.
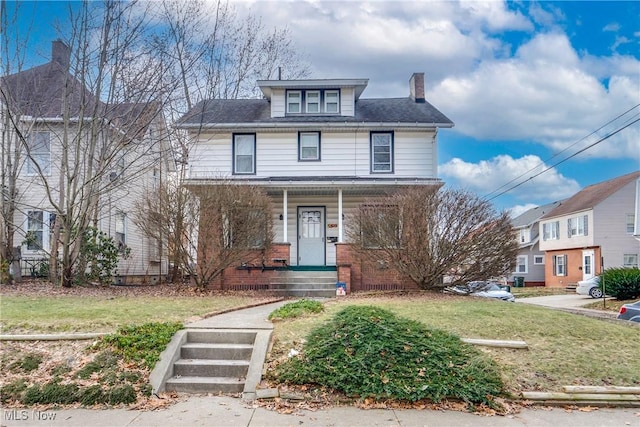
<point>587,264</point>
<point>311,246</point>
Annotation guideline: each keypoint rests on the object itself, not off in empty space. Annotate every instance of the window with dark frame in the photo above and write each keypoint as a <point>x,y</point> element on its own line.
<point>309,146</point>
<point>381,152</point>
<point>244,154</point>
<point>559,265</point>
<point>314,101</point>
<point>35,230</point>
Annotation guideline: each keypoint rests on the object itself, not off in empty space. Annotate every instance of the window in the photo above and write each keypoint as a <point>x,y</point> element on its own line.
<point>245,228</point>
<point>121,219</point>
<point>538,260</point>
<point>244,153</point>
<point>331,101</point>
<point>155,183</point>
<point>521,264</point>
<point>39,150</point>
<point>35,230</point>
<point>630,260</point>
<point>381,226</point>
<point>523,235</point>
<point>577,226</point>
<point>551,230</point>
<point>309,146</point>
<point>294,99</point>
<point>381,152</point>
<point>630,221</point>
<point>559,265</point>
<point>312,101</point>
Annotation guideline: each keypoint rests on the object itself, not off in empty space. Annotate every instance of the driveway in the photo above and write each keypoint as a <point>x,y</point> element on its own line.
<point>570,300</point>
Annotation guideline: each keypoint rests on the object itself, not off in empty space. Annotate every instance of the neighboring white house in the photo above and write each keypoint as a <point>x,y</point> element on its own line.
<point>46,104</point>
<point>530,262</point>
<point>319,149</point>
<point>594,229</point>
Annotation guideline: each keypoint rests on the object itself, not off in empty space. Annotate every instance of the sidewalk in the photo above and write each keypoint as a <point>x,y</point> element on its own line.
<point>571,303</point>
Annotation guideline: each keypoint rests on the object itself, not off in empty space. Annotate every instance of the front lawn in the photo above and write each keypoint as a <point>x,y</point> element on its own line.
<point>564,349</point>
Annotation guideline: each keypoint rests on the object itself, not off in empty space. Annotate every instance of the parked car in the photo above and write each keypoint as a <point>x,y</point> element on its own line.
<point>484,289</point>
<point>630,312</point>
<point>590,287</point>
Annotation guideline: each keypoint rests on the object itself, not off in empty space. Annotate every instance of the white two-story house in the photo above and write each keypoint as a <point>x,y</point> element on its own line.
<point>530,262</point>
<point>594,229</point>
<point>53,121</point>
<point>319,149</point>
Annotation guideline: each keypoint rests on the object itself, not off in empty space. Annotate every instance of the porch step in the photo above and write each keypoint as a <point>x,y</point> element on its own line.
<point>216,351</point>
<point>205,384</point>
<point>210,368</point>
<point>571,287</point>
<point>309,284</point>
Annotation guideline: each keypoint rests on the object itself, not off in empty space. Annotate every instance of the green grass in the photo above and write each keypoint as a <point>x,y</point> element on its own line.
<point>21,314</point>
<point>296,309</point>
<point>564,349</point>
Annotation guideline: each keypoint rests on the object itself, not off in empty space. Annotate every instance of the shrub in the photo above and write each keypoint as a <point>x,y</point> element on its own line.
<point>369,352</point>
<point>297,309</point>
<point>142,343</point>
<point>28,363</point>
<point>102,361</point>
<point>621,283</point>
<point>12,391</point>
<point>50,393</point>
<point>121,394</point>
<point>93,395</point>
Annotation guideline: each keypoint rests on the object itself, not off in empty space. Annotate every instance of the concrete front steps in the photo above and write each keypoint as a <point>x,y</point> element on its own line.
<point>211,361</point>
<point>304,284</point>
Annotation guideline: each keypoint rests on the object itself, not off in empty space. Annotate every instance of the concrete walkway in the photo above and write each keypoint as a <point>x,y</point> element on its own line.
<point>571,303</point>
<point>199,410</point>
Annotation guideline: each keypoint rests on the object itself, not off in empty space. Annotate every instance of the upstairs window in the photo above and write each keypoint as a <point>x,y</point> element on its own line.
<point>294,99</point>
<point>39,153</point>
<point>331,101</point>
<point>244,154</point>
<point>381,152</point>
<point>309,146</point>
<point>578,226</point>
<point>630,223</point>
<point>523,235</point>
<point>313,101</point>
<point>551,230</point>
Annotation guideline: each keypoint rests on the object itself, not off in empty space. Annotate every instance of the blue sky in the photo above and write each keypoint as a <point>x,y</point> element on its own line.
<point>523,81</point>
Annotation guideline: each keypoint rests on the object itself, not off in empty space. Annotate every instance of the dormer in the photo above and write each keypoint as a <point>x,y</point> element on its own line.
<point>312,98</point>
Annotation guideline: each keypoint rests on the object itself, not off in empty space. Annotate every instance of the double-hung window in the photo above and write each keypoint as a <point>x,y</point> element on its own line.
<point>312,101</point>
<point>630,223</point>
<point>121,236</point>
<point>577,226</point>
<point>559,265</point>
<point>244,154</point>
<point>521,264</point>
<point>39,153</point>
<point>309,146</point>
<point>381,152</point>
<point>331,101</point>
<point>35,230</point>
<point>294,101</point>
<point>630,260</point>
<point>551,230</point>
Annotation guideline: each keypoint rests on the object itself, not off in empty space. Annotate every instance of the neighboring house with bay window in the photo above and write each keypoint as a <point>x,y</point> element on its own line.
<point>531,260</point>
<point>597,228</point>
<point>319,149</point>
<point>45,106</point>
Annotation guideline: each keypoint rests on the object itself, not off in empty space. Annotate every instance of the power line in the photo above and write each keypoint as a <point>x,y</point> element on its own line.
<point>565,159</point>
<point>557,154</point>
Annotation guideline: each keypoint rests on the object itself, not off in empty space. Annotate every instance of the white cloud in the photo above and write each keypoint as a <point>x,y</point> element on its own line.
<point>612,27</point>
<point>488,178</point>
<point>518,210</point>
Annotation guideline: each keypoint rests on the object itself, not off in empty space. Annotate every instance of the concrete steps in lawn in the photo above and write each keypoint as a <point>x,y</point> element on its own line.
<point>307,284</point>
<point>212,361</point>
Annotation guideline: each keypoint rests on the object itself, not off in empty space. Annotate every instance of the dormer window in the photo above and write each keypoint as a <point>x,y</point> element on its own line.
<point>313,101</point>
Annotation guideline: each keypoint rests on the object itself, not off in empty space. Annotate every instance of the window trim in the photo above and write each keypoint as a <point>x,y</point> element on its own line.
<point>629,256</point>
<point>540,257</point>
<point>556,265</point>
<point>299,103</point>
<point>630,223</point>
<point>31,168</point>
<point>578,226</point>
<point>337,102</point>
<point>391,152</point>
<point>306,101</point>
<point>233,154</point>
<point>554,231</point>
<point>319,144</point>
<point>518,264</point>
<point>120,237</point>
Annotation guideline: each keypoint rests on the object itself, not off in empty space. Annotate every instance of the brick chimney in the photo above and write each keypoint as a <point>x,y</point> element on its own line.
<point>416,86</point>
<point>60,53</point>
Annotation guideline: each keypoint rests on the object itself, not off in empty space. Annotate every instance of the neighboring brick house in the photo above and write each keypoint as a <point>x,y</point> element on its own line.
<point>530,263</point>
<point>319,150</point>
<point>599,223</point>
<point>49,105</point>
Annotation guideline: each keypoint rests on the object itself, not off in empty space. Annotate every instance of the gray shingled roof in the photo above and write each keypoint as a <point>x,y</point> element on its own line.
<point>529,217</point>
<point>592,195</point>
<point>386,110</point>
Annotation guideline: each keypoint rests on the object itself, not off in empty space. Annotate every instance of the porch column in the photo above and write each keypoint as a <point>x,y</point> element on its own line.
<point>285,202</point>
<point>340,238</point>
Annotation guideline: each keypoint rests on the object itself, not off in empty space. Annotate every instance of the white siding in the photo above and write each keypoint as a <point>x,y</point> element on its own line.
<point>343,153</point>
<point>278,108</point>
<point>564,241</point>
<point>347,102</point>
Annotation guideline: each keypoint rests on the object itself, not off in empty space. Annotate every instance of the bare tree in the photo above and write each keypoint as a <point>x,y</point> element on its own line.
<point>221,226</point>
<point>428,233</point>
